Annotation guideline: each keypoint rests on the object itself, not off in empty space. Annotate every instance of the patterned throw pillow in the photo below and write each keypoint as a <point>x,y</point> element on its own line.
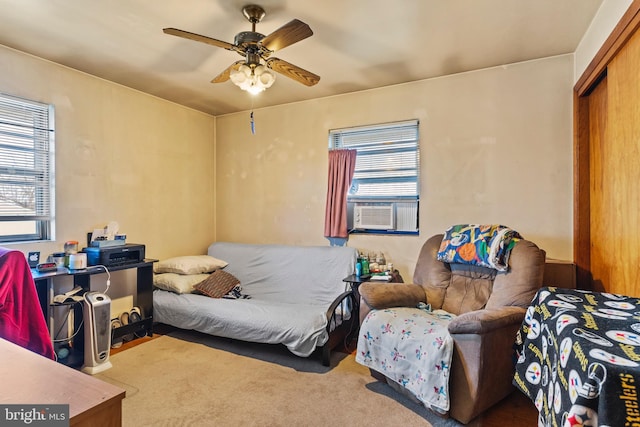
<point>218,284</point>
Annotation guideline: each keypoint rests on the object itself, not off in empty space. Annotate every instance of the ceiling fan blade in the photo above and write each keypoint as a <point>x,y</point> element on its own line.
<point>296,73</point>
<point>198,38</point>
<point>286,35</point>
<point>226,74</point>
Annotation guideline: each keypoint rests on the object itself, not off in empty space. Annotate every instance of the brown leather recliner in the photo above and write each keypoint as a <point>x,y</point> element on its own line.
<point>490,307</point>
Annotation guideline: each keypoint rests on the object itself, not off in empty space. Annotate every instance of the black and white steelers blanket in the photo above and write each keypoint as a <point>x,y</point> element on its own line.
<point>579,358</point>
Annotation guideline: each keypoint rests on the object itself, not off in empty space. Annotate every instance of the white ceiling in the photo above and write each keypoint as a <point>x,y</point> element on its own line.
<point>357,44</point>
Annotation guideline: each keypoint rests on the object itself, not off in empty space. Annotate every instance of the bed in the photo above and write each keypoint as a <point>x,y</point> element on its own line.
<point>290,295</point>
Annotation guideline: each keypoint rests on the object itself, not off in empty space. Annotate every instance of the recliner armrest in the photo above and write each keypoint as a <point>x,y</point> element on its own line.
<point>385,295</point>
<point>486,320</point>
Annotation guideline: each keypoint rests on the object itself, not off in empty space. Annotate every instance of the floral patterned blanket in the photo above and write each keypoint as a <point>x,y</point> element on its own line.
<point>483,245</point>
<point>412,347</point>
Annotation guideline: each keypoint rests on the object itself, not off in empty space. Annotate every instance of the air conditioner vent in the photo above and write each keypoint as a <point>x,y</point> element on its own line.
<point>374,217</point>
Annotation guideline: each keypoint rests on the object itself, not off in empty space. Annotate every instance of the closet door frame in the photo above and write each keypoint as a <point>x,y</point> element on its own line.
<point>593,74</point>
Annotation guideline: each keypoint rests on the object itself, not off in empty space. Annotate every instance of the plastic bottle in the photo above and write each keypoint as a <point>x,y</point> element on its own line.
<point>70,248</point>
<point>365,265</point>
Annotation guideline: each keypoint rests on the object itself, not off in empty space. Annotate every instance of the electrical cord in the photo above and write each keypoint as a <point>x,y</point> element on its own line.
<point>106,270</point>
<point>348,338</point>
<point>68,339</point>
<point>354,311</point>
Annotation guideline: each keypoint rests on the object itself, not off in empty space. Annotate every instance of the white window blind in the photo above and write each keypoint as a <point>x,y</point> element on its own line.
<point>26,170</point>
<point>387,170</point>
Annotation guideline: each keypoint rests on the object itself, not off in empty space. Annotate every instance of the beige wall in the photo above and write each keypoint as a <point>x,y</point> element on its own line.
<point>121,155</point>
<point>495,148</point>
<point>603,23</point>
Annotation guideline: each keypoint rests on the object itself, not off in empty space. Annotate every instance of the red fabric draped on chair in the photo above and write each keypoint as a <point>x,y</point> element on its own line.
<point>342,164</point>
<point>21,319</point>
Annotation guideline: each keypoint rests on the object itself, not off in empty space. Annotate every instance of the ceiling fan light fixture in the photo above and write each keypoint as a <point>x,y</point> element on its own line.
<point>256,72</point>
<point>244,68</point>
<point>267,79</point>
<point>253,80</point>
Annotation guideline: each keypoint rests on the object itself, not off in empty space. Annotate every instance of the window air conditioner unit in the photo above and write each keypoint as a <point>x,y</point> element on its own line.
<point>375,217</point>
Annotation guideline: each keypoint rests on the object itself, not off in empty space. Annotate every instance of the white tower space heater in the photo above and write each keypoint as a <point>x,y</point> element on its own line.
<point>97,332</point>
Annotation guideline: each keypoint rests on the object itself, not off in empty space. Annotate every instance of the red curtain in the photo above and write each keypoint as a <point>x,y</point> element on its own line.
<point>342,164</point>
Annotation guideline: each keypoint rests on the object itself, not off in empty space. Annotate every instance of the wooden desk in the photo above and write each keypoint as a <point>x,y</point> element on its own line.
<point>28,378</point>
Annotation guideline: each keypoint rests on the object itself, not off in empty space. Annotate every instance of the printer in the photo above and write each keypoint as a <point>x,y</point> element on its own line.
<point>111,256</point>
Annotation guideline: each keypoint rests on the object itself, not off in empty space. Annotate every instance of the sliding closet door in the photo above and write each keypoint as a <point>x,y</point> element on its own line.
<point>623,131</point>
<point>614,128</point>
<point>601,202</point>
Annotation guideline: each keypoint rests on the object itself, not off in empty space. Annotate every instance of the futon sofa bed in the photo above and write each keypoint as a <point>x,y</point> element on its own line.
<point>291,295</point>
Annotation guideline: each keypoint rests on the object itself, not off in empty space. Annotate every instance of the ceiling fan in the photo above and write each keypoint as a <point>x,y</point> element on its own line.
<point>253,73</point>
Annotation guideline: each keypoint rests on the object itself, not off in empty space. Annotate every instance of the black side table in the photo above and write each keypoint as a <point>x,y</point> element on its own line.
<point>355,282</point>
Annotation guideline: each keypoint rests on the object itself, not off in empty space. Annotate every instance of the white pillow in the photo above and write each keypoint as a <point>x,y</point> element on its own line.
<point>178,283</point>
<point>192,264</point>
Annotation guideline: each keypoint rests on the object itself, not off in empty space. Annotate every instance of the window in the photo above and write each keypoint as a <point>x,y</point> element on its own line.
<point>26,170</point>
<point>385,191</point>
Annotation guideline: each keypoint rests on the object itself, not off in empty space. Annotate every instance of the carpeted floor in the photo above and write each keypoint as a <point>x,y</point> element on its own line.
<point>191,379</point>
